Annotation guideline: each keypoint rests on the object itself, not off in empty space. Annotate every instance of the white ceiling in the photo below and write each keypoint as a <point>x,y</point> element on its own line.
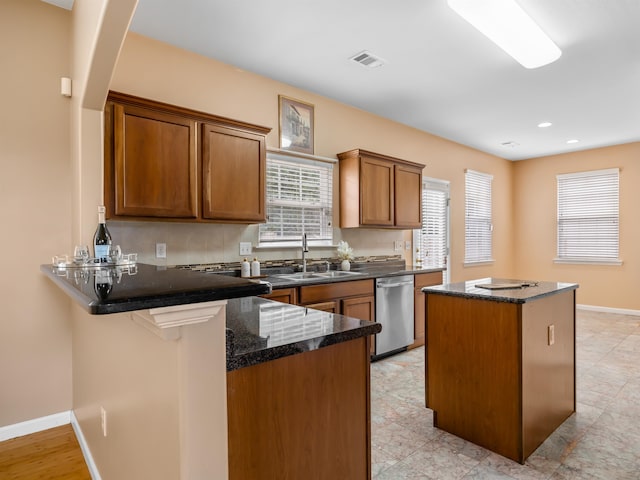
<point>442,76</point>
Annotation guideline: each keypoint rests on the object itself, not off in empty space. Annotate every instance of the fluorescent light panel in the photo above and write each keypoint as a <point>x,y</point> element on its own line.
<point>508,26</point>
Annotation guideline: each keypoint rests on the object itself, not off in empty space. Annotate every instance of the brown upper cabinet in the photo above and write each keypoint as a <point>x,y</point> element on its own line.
<point>233,174</point>
<point>168,162</point>
<point>379,191</point>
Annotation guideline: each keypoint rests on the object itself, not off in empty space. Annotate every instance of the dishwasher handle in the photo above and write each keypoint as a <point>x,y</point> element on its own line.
<point>392,285</point>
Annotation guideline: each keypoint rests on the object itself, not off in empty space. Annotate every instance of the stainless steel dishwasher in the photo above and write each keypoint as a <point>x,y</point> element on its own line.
<point>394,311</point>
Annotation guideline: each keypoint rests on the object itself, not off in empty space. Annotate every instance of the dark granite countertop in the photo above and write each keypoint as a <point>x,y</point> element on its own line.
<point>260,330</point>
<point>470,289</point>
<point>141,286</point>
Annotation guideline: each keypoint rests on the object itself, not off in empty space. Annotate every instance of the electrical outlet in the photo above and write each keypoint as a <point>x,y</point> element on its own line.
<point>551,335</point>
<point>407,244</point>
<point>103,421</point>
<point>161,250</point>
<point>245,248</point>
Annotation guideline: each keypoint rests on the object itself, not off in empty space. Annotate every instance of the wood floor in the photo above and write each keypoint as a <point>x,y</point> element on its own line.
<point>50,454</point>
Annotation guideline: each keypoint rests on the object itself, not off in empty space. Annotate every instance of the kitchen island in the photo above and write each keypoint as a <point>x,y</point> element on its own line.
<point>163,387</point>
<point>500,361</point>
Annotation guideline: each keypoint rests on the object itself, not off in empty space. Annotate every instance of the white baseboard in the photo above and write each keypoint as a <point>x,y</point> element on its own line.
<point>88,458</point>
<point>620,311</point>
<point>52,421</point>
<point>35,425</point>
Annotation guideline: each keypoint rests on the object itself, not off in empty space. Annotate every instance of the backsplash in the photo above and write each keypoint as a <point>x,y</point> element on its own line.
<point>197,243</point>
<point>312,263</point>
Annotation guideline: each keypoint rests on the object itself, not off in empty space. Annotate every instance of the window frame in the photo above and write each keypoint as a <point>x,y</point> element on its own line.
<point>585,213</point>
<point>419,237</point>
<point>298,161</point>
<point>478,208</point>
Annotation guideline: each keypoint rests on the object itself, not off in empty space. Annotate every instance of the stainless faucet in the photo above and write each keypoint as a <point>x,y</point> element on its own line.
<point>305,249</point>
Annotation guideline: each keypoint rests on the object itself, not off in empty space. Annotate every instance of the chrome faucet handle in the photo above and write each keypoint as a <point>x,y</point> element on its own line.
<point>328,265</point>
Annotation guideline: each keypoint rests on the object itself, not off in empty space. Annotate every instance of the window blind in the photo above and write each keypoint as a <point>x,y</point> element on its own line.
<point>299,200</point>
<point>478,226</point>
<point>588,216</point>
<point>432,245</point>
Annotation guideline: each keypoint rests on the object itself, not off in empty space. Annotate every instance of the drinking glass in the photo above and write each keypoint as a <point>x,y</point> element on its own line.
<point>81,254</point>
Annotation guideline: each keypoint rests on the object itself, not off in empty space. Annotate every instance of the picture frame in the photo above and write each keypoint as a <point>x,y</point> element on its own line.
<point>296,125</point>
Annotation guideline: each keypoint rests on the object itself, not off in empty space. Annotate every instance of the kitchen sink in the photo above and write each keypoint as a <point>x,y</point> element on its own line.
<point>301,276</point>
<point>297,276</point>
<point>336,274</point>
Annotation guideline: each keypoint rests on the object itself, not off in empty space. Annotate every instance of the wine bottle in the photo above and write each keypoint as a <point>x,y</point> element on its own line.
<point>102,238</point>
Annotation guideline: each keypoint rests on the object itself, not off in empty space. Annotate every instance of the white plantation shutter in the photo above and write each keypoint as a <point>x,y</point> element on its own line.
<point>299,200</point>
<point>588,216</point>
<point>478,226</point>
<point>433,234</point>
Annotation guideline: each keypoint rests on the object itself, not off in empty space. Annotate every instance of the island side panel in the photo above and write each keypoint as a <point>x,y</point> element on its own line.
<point>302,416</point>
<point>548,371</point>
<point>473,370</point>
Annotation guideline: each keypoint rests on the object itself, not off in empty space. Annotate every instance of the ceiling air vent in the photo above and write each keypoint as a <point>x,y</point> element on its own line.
<point>368,59</point>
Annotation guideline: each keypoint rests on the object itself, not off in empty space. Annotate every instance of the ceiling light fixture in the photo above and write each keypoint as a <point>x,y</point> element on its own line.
<point>508,26</point>
<point>573,140</point>
<point>511,144</point>
<point>545,124</point>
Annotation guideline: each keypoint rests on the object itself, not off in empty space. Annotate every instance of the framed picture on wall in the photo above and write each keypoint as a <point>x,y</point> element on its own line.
<point>296,125</point>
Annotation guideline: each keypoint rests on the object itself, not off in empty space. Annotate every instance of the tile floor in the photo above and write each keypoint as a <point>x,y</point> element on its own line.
<point>600,441</point>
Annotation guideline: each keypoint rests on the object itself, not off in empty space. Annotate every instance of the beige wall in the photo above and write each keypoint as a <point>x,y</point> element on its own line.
<point>535,226</point>
<point>35,205</point>
<point>151,69</point>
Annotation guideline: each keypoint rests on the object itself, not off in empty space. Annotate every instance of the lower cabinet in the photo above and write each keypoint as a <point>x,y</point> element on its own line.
<point>363,308</point>
<point>305,416</point>
<point>356,299</point>
<point>419,314</point>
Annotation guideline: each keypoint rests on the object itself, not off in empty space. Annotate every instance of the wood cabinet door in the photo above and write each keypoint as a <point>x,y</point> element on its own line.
<point>376,191</point>
<point>154,164</point>
<point>283,295</point>
<point>233,174</point>
<point>363,308</point>
<point>419,309</point>
<point>408,188</point>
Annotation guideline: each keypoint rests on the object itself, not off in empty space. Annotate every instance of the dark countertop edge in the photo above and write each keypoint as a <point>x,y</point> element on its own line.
<point>166,300</point>
<point>429,290</point>
<point>235,362</point>
<point>365,274</point>
<point>181,298</point>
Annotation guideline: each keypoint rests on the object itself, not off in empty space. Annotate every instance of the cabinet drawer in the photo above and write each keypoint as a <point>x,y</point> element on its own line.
<point>331,291</point>
<point>428,279</point>
<point>283,295</point>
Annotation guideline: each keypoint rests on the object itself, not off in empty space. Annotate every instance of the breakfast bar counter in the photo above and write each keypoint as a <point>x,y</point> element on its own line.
<point>500,361</point>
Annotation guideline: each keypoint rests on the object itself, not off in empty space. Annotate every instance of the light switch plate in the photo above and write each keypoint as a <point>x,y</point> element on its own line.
<point>551,335</point>
<point>245,248</point>
<point>397,245</point>
<point>407,244</point>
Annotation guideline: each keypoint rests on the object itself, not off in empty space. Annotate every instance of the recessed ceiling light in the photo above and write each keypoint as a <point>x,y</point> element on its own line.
<point>545,124</point>
<point>573,140</point>
<point>510,144</point>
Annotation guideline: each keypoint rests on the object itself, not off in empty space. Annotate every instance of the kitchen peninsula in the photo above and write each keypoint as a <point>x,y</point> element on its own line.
<point>220,365</point>
<point>500,361</point>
